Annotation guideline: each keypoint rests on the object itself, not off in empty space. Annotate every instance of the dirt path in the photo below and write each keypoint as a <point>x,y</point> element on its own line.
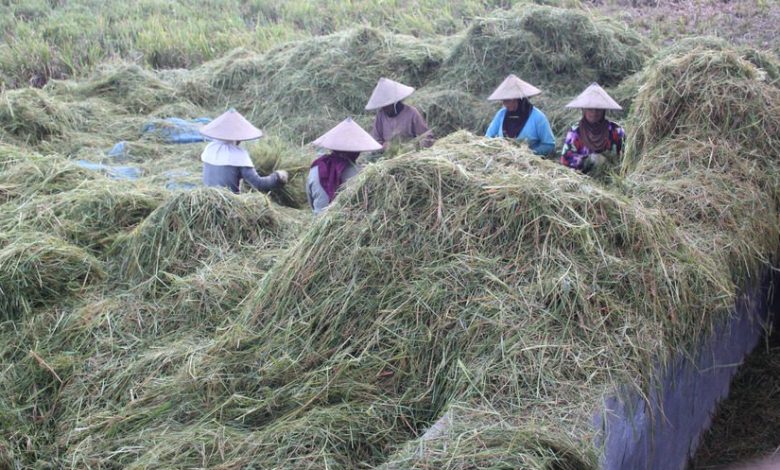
<point>742,22</point>
<point>747,425</point>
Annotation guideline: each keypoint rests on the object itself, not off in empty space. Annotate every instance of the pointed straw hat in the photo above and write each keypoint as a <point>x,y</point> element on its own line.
<point>513,88</point>
<point>387,92</point>
<point>231,125</point>
<point>347,136</point>
<point>594,97</point>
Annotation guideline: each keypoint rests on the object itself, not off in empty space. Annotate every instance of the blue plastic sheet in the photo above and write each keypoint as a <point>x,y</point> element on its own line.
<point>174,184</point>
<point>175,130</point>
<point>119,150</point>
<point>115,172</point>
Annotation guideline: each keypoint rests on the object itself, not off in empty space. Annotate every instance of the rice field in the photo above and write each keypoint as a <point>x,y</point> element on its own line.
<point>469,305</point>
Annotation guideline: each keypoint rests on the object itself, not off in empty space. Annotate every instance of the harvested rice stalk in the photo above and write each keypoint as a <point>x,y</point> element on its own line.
<point>681,97</point>
<point>194,226</point>
<point>556,49</point>
<point>472,275</point>
<point>30,116</point>
<point>90,216</point>
<point>38,270</point>
<point>43,175</point>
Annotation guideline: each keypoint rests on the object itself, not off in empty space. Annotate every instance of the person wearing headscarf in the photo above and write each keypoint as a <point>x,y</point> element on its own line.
<point>518,118</point>
<point>396,120</point>
<point>329,172</point>
<point>589,141</point>
<point>225,163</point>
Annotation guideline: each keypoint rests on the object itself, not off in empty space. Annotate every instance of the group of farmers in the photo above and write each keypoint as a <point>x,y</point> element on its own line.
<point>587,142</point>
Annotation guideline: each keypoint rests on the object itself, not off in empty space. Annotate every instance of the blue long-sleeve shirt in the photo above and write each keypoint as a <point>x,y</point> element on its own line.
<point>536,131</point>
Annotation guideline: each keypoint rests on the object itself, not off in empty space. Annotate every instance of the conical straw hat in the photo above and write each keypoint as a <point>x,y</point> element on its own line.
<point>231,125</point>
<point>387,92</point>
<point>594,97</point>
<point>347,136</point>
<point>513,88</point>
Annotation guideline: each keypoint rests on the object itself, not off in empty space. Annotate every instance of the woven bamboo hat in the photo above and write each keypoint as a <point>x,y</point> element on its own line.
<point>347,136</point>
<point>594,97</point>
<point>387,92</point>
<point>230,126</point>
<point>513,88</point>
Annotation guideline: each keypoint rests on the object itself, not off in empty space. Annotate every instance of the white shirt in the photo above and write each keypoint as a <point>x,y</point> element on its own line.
<point>222,153</point>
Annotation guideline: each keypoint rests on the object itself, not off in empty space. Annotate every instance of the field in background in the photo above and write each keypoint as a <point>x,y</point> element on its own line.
<point>61,39</point>
<point>58,39</point>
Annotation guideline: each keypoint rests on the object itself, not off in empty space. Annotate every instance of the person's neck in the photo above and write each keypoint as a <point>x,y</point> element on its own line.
<point>394,109</point>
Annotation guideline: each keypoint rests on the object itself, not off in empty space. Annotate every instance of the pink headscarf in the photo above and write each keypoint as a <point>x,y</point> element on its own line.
<point>331,167</point>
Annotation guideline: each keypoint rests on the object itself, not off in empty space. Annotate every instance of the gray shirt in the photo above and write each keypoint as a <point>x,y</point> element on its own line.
<point>318,198</point>
<point>230,177</point>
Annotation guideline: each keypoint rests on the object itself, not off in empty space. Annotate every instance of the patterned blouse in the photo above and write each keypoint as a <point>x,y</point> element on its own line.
<point>574,151</point>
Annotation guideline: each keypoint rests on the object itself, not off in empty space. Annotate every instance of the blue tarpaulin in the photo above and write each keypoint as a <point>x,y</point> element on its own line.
<point>174,183</point>
<point>176,130</point>
<point>119,150</point>
<point>115,172</point>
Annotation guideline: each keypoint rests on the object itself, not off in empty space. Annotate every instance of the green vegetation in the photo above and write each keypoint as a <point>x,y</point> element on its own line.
<point>296,90</point>
<point>466,305</point>
<point>58,39</point>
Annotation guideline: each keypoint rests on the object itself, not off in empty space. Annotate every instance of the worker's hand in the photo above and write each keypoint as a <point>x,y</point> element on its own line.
<point>283,176</point>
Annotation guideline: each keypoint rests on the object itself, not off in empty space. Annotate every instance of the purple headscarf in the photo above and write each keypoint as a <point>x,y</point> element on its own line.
<point>330,168</point>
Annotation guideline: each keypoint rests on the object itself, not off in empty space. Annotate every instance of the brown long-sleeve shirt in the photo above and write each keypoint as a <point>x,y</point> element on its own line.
<point>408,124</point>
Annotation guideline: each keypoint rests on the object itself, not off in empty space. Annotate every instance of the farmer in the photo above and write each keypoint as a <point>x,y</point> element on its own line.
<point>396,120</point>
<point>518,118</point>
<point>225,163</point>
<point>328,172</point>
<point>593,136</point>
